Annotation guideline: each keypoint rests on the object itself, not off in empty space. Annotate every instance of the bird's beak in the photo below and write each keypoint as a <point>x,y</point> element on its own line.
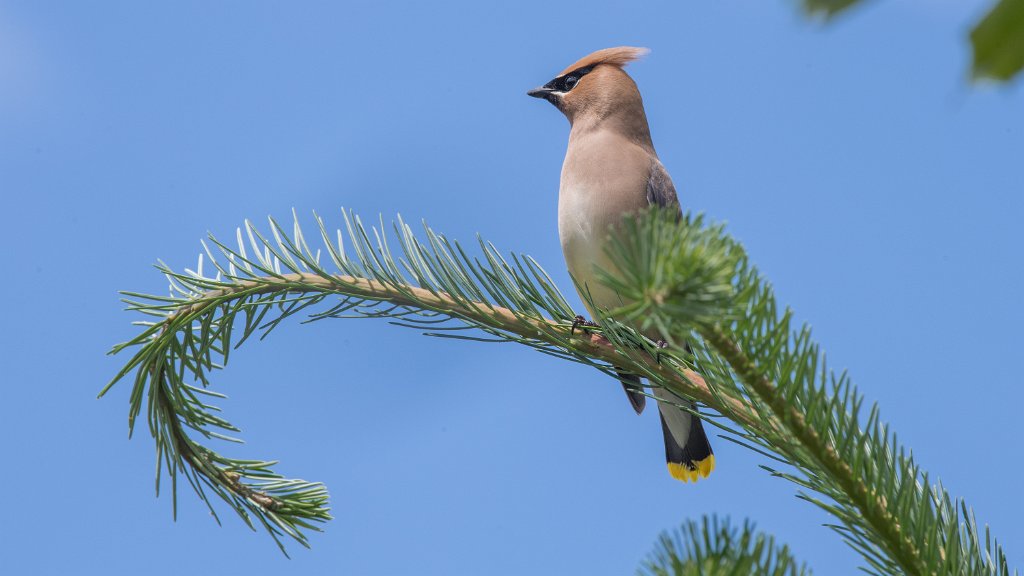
<point>541,92</point>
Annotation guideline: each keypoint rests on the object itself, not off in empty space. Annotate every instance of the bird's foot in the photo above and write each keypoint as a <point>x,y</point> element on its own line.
<point>582,323</point>
<point>661,344</point>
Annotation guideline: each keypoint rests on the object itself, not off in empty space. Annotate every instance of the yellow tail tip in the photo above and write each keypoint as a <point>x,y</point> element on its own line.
<point>702,469</point>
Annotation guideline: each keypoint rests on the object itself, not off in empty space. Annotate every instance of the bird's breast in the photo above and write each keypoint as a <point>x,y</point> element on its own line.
<point>604,177</point>
<point>583,232</point>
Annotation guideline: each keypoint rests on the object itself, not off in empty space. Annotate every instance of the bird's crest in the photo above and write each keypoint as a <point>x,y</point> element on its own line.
<point>618,56</point>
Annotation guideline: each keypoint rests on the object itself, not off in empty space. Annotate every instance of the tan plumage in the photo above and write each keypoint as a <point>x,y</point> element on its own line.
<point>611,169</point>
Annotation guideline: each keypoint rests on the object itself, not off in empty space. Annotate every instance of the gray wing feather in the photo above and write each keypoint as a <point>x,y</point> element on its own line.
<point>660,190</point>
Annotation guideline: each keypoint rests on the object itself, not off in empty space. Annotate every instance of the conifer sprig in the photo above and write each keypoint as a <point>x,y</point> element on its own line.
<point>686,281</point>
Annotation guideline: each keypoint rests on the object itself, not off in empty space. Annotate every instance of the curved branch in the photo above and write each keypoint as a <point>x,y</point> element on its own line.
<point>689,282</point>
<point>282,513</point>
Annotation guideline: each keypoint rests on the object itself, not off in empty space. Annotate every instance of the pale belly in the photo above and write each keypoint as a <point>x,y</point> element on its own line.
<point>583,231</point>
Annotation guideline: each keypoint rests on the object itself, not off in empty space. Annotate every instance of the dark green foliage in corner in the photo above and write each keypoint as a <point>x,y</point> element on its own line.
<point>998,42</point>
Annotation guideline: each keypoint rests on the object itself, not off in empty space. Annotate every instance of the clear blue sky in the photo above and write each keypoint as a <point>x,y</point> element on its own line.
<point>881,195</point>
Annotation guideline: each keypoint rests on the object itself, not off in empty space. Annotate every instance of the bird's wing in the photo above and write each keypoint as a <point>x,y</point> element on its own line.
<point>660,190</point>
<point>687,448</point>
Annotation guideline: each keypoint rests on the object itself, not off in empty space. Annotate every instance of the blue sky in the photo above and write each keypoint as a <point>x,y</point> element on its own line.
<point>877,190</point>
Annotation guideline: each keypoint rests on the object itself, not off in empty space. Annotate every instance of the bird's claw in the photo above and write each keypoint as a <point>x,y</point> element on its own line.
<point>661,344</point>
<point>581,322</point>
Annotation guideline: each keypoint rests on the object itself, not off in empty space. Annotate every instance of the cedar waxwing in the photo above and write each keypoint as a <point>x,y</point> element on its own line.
<point>611,169</point>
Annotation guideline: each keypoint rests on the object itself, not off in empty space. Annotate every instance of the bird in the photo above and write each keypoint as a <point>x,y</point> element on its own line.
<point>611,170</point>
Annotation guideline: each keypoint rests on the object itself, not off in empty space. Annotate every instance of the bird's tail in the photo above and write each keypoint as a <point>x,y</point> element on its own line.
<point>687,449</point>
<point>634,391</point>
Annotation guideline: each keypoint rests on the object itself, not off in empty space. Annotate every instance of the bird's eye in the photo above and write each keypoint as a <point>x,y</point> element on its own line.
<point>569,82</point>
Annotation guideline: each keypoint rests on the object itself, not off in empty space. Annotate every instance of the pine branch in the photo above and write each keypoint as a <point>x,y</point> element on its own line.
<point>901,548</point>
<point>283,277</point>
<point>685,281</point>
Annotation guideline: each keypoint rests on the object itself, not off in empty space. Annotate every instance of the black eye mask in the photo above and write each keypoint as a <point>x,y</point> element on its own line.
<point>568,81</point>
